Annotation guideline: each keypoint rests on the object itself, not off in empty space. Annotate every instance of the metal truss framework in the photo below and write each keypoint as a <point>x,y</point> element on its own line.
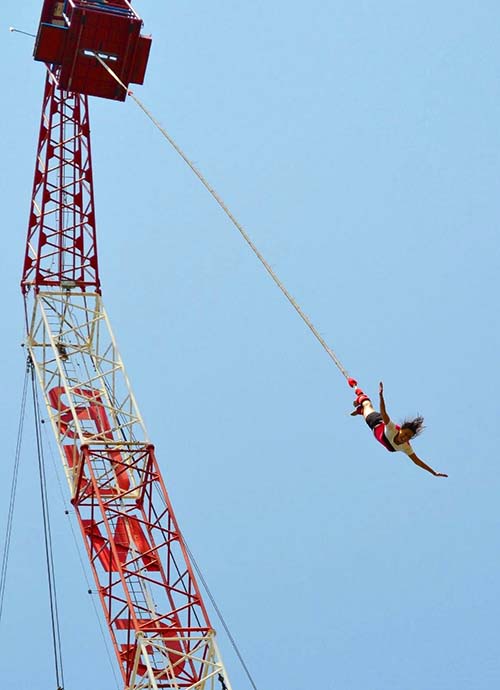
<point>61,246</point>
<point>158,623</point>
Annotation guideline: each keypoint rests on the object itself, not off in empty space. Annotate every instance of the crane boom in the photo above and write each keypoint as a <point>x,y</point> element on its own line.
<point>159,626</point>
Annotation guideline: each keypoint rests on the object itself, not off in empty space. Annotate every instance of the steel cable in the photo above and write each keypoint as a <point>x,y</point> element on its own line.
<point>13,488</point>
<point>49,556</point>
<point>220,616</point>
<point>80,558</point>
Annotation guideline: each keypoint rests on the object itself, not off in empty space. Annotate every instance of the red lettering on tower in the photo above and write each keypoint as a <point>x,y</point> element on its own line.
<point>128,531</point>
<point>94,412</point>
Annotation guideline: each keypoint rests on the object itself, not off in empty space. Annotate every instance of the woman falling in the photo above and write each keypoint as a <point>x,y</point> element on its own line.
<point>390,435</point>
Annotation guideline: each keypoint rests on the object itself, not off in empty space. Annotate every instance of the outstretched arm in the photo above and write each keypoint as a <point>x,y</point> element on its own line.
<point>383,411</point>
<point>414,458</point>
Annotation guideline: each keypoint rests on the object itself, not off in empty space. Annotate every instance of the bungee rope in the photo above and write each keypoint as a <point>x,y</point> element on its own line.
<point>351,381</point>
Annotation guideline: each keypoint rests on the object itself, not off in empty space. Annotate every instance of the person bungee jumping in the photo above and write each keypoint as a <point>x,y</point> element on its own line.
<point>390,435</point>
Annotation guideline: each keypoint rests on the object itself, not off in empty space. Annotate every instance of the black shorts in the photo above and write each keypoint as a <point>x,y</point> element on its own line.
<point>374,419</point>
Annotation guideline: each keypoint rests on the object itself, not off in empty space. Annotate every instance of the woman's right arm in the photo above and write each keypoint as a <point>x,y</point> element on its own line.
<point>383,411</point>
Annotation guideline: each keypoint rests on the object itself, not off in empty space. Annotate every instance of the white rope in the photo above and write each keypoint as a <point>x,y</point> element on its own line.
<point>235,222</point>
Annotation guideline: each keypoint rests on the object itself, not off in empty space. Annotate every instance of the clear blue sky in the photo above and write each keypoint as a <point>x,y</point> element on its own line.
<point>358,143</point>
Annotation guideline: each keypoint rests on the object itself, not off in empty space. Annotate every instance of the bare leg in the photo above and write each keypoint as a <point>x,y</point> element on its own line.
<point>367,408</point>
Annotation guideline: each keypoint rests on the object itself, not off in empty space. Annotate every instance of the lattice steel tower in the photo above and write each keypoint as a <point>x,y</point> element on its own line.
<point>155,613</point>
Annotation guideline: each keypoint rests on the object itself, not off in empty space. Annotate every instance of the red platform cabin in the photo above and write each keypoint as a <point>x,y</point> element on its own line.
<point>71,32</point>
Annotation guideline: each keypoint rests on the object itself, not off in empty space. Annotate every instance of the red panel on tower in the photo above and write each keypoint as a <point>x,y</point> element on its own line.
<point>141,60</point>
<point>51,43</point>
<point>73,32</point>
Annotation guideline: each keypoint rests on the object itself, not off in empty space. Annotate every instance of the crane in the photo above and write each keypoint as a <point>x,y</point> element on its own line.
<point>158,623</point>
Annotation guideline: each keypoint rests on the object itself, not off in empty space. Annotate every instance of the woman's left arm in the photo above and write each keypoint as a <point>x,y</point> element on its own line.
<point>414,458</point>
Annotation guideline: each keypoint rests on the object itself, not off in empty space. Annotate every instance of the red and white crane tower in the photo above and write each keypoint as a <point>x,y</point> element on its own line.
<point>159,626</point>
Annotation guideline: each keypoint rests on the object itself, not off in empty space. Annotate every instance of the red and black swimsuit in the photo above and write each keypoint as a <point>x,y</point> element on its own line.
<point>376,423</point>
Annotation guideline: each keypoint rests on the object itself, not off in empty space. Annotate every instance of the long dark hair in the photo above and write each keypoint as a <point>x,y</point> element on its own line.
<point>416,425</point>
